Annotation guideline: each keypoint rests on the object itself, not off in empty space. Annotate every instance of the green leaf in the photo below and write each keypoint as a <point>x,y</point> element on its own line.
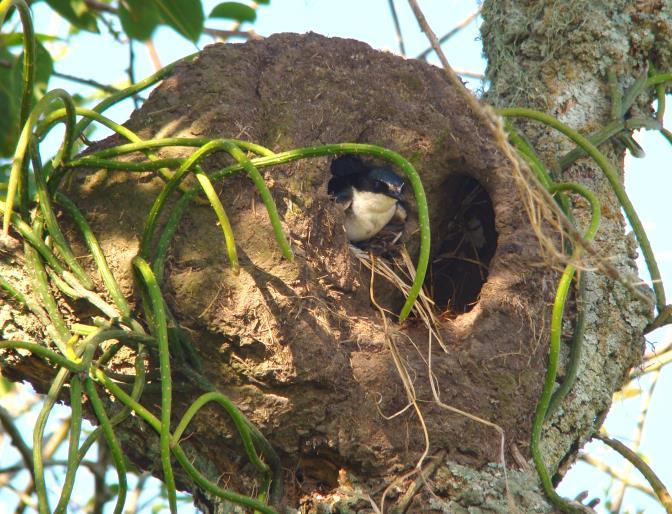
<point>139,18</point>
<point>16,39</point>
<point>44,67</point>
<point>5,168</point>
<point>234,11</point>
<point>11,85</point>
<point>263,2</point>
<point>185,16</point>
<point>9,106</point>
<point>6,386</point>
<point>76,12</point>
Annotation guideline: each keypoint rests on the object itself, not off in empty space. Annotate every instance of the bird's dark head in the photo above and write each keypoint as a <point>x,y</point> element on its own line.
<point>381,180</point>
<point>349,170</point>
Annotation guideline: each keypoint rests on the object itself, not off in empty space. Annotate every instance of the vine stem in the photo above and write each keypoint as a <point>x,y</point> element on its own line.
<point>43,352</point>
<point>182,458</point>
<point>38,435</point>
<point>562,293</point>
<point>381,153</point>
<point>161,333</point>
<point>76,359</point>
<point>237,418</point>
<point>222,218</point>
<point>110,438</point>
<point>554,350</point>
<point>614,180</point>
<point>302,153</point>
<point>176,180</point>
<point>45,200</point>
<point>19,172</point>
<point>73,444</point>
<point>96,252</point>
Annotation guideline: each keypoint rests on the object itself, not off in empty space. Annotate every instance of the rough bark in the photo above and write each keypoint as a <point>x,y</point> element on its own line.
<point>297,345</point>
<point>555,57</point>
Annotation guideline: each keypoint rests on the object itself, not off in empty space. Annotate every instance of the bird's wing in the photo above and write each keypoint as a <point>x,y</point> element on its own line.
<point>338,185</point>
<point>344,198</point>
<point>400,214</point>
<point>339,189</point>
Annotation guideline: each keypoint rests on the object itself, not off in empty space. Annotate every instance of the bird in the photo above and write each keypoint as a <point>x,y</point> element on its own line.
<point>369,195</point>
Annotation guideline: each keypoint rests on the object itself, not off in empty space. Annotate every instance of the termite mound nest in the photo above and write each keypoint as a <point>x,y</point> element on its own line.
<point>297,345</point>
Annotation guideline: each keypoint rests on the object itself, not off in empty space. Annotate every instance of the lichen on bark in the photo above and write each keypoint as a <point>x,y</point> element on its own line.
<point>555,56</point>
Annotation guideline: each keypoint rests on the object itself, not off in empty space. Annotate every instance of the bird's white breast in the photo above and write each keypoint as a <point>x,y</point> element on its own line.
<point>368,214</point>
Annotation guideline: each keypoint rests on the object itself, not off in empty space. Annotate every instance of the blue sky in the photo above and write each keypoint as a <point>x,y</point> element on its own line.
<point>648,180</point>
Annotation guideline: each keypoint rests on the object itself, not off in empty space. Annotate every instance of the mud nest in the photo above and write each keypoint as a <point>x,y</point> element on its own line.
<point>298,345</point>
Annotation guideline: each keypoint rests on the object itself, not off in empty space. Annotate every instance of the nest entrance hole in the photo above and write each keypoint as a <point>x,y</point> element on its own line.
<point>467,242</point>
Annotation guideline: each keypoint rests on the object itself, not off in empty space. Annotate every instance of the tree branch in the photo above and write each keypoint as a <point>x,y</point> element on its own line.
<point>657,485</point>
<point>397,27</point>
<point>72,78</point>
<point>452,32</point>
<point>8,425</point>
<point>617,474</point>
<point>226,34</point>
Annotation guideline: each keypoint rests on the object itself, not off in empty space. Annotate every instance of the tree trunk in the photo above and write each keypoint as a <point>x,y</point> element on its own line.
<point>297,346</point>
<point>556,57</point>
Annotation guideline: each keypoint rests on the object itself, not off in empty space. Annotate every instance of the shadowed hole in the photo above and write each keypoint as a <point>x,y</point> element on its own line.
<point>317,472</point>
<point>467,242</point>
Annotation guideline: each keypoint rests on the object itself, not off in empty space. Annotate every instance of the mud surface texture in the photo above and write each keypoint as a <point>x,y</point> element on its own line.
<point>298,345</point>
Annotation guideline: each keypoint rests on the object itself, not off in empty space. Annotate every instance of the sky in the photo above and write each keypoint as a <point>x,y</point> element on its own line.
<point>648,180</point>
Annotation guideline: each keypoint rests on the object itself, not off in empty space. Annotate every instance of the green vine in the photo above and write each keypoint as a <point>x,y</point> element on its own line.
<point>82,364</point>
<point>160,332</point>
<point>615,183</point>
<point>549,401</point>
<point>100,159</point>
<point>29,52</point>
<point>543,412</point>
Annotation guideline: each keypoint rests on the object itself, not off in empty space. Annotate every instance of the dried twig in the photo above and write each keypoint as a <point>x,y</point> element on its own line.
<point>617,496</point>
<point>452,32</point>
<point>72,78</point>
<point>7,422</point>
<point>250,35</point>
<point>405,501</point>
<point>658,486</point>
<point>653,363</point>
<point>397,27</point>
<point>407,383</point>
<point>424,307</point>
<point>617,474</point>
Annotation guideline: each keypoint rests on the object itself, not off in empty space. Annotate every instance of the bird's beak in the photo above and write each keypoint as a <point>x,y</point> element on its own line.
<point>395,192</point>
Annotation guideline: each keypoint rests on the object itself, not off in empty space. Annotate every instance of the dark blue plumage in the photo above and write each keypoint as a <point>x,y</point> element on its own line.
<point>369,196</point>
